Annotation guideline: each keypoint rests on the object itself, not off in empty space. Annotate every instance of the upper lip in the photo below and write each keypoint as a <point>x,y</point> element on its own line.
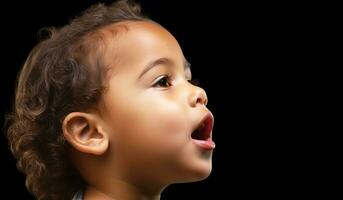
<point>203,130</point>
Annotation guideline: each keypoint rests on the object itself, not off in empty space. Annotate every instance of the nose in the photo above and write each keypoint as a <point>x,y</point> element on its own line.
<point>197,96</point>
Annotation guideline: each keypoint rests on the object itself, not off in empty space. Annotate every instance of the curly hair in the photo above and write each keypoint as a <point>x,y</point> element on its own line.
<point>57,78</point>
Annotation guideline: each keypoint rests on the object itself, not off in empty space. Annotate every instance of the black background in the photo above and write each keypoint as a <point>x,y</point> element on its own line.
<point>248,57</point>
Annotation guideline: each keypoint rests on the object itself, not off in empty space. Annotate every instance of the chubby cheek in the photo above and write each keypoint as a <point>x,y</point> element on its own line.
<point>159,129</point>
<point>169,130</point>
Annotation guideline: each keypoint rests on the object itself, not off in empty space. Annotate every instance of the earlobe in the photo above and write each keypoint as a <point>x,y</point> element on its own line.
<point>85,133</point>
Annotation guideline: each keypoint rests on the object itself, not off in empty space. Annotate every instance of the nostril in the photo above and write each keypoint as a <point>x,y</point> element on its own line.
<point>202,98</point>
<point>201,101</point>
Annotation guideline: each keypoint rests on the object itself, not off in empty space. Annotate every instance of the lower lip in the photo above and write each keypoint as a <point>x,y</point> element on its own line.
<point>205,144</point>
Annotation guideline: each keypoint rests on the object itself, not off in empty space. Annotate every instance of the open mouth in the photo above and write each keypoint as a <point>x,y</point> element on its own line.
<point>203,131</point>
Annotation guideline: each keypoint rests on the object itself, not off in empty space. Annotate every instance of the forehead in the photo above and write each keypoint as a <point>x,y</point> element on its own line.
<point>136,43</point>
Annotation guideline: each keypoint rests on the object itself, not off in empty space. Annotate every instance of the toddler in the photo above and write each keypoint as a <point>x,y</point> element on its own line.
<point>105,108</point>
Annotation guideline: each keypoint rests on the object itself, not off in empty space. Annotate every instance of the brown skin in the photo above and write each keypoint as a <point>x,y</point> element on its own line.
<point>140,140</point>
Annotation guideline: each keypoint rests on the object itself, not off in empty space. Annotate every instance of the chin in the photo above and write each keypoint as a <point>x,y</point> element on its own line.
<point>201,173</point>
<point>197,172</point>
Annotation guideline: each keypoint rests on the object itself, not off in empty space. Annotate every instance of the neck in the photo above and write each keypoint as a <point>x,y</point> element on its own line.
<point>120,190</point>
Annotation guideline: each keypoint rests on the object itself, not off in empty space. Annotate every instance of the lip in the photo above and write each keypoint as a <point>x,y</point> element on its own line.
<point>206,127</point>
<point>205,144</point>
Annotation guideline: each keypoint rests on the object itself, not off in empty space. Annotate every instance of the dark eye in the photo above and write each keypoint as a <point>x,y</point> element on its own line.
<point>164,81</point>
<point>194,82</point>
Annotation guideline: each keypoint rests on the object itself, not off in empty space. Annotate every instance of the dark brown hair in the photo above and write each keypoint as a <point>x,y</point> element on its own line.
<point>57,78</point>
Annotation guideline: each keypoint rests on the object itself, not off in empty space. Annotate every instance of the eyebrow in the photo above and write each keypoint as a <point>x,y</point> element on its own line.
<point>164,61</point>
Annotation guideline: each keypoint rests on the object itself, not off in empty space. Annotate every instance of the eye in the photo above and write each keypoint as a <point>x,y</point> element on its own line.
<point>164,81</point>
<point>194,82</point>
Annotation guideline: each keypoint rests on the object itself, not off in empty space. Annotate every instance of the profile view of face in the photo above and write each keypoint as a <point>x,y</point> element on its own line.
<point>160,129</point>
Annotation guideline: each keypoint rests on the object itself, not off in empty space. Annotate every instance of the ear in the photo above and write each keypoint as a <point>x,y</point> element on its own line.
<point>85,133</point>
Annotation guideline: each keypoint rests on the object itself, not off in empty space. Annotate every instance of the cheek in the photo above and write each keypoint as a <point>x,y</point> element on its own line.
<point>154,126</point>
<point>163,126</point>
<point>150,123</point>
<point>168,129</point>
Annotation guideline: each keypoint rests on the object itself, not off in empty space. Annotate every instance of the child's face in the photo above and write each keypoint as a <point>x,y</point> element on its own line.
<point>149,118</point>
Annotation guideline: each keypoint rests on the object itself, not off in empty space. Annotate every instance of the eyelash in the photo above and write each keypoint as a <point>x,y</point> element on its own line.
<point>194,82</point>
<point>162,80</point>
<point>168,78</point>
